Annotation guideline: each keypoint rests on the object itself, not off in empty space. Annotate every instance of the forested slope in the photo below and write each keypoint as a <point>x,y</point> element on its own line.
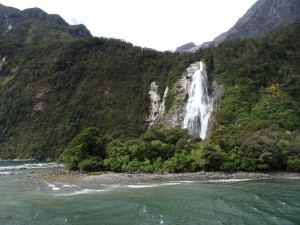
<point>256,123</point>
<point>61,89</point>
<point>259,115</point>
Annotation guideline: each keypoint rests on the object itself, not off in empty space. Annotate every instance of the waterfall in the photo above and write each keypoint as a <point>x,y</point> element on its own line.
<point>199,105</point>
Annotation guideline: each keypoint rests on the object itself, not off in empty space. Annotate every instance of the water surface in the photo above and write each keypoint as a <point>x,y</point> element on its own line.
<point>28,199</point>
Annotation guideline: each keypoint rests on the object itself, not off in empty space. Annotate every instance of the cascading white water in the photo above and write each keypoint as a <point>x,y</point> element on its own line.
<point>199,106</point>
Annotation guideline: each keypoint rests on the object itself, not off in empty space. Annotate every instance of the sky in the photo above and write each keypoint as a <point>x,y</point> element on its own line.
<point>158,24</point>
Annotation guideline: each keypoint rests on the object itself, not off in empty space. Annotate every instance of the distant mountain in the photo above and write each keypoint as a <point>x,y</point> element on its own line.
<point>35,25</point>
<point>262,18</point>
<point>186,47</point>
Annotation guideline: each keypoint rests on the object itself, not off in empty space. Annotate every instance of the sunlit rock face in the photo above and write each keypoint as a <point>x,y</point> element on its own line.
<point>193,105</point>
<point>157,107</point>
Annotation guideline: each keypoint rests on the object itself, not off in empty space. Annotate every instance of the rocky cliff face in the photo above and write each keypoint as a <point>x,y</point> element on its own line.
<point>157,107</point>
<point>186,47</point>
<point>262,18</point>
<point>174,117</point>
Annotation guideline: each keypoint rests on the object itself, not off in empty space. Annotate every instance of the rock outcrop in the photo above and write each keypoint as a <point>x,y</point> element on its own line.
<point>174,116</point>
<point>186,47</point>
<point>157,107</point>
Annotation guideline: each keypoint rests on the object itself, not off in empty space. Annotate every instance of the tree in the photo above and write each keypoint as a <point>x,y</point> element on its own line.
<point>86,148</point>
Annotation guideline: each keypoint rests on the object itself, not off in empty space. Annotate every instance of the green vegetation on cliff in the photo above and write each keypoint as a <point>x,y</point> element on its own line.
<point>55,90</point>
<point>259,116</point>
<point>65,93</point>
<point>257,124</point>
<point>52,87</point>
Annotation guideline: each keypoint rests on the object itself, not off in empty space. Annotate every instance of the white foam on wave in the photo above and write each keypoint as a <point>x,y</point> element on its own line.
<point>283,203</point>
<point>161,219</point>
<point>144,209</point>
<point>185,181</point>
<point>32,166</point>
<point>151,185</point>
<point>53,186</point>
<point>228,180</point>
<point>69,185</point>
<point>82,192</point>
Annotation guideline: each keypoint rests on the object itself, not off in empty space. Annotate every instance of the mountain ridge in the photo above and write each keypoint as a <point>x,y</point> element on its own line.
<point>13,21</point>
<point>261,18</point>
<point>86,100</point>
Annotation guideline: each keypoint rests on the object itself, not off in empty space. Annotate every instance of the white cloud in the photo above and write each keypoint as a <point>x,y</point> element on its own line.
<point>75,20</point>
<point>158,24</point>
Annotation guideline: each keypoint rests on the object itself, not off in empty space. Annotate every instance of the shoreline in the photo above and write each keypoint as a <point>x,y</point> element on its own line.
<point>145,178</point>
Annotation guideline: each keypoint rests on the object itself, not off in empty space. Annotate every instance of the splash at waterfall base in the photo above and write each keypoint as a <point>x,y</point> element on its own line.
<point>194,105</point>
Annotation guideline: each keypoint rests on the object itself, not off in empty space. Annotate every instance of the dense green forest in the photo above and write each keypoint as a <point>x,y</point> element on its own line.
<point>51,91</point>
<point>257,122</point>
<point>54,86</point>
<point>84,100</point>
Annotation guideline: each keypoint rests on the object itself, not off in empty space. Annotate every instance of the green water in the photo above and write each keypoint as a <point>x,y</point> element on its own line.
<point>27,199</point>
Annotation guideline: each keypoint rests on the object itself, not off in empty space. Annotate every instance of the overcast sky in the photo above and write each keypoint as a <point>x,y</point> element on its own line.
<point>159,24</point>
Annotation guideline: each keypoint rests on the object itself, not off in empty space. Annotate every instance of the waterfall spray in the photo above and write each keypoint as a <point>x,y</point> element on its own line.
<point>199,105</point>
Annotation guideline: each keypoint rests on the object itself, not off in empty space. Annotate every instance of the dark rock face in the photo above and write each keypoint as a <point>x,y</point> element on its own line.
<point>79,31</point>
<point>36,13</point>
<point>262,18</point>
<point>186,47</point>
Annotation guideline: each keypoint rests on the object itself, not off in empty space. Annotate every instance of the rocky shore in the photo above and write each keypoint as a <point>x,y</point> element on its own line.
<point>135,178</point>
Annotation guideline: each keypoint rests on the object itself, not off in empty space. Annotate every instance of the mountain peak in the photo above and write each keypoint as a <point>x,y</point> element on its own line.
<point>262,18</point>
<point>186,47</point>
<point>35,25</point>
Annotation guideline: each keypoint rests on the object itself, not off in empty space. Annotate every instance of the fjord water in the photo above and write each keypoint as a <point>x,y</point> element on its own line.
<point>26,198</point>
<point>199,106</point>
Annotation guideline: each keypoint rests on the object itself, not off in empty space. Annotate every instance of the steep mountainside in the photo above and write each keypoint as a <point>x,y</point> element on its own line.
<point>262,18</point>
<point>56,79</point>
<point>86,99</point>
<point>34,25</point>
<point>255,126</point>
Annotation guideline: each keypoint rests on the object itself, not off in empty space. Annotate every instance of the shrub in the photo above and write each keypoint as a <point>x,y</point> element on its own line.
<point>90,164</point>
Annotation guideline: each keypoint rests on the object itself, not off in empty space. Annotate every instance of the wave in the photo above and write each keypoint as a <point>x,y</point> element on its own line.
<point>6,173</point>
<point>53,186</point>
<point>106,188</point>
<point>228,180</point>
<point>31,166</point>
<point>82,192</point>
<point>150,185</point>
